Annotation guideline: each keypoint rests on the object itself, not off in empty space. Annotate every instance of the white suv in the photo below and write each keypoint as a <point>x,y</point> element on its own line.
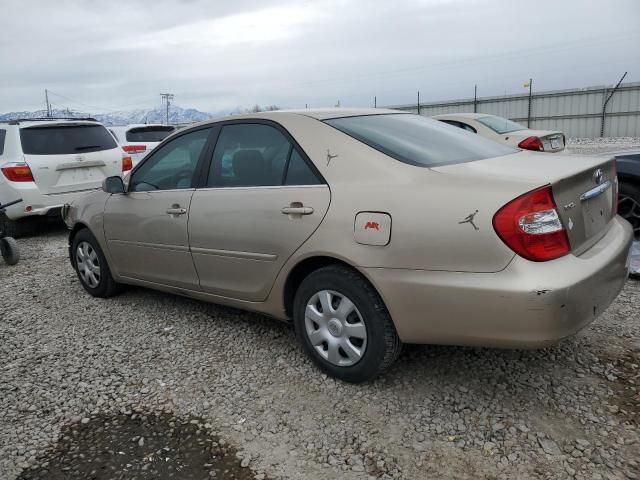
<point>49,162</point>
<point>139,139</point>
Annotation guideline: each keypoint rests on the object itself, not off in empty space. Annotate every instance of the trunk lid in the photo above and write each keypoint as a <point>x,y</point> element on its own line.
<point>70,157</point>
<point>583,188</point>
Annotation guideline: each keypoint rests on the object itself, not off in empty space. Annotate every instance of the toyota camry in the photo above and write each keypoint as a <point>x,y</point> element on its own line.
<point>366,229</point>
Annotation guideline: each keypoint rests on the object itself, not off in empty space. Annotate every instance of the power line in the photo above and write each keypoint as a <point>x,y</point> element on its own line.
<point>95,106</point>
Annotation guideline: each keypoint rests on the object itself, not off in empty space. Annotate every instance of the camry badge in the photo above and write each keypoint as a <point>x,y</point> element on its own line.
<point>569,206</point>
<point>597,176</point>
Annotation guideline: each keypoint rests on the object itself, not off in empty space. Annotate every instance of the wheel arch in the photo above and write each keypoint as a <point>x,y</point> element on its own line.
<point>304,268</point>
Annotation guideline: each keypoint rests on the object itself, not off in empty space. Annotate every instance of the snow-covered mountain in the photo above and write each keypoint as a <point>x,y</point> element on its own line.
<point>177,115</point>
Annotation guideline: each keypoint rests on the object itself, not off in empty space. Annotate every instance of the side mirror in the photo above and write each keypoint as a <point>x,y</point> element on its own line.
<point>113,185</point>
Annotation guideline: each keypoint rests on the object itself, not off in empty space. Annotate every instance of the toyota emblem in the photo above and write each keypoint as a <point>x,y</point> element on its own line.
<point>597,176</point>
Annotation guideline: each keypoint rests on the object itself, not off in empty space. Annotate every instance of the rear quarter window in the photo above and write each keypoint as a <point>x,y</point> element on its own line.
<point>3,135</point>
<point>419,141</point>
<point>149,134</point>
<point>65,139</point>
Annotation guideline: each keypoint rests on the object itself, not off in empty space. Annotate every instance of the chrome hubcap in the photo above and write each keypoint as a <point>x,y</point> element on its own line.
<point>629,209</point>
<point>88,264</point>
<point>335,328</point>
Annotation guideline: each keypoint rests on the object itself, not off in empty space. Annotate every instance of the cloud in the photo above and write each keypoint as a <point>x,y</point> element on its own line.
<point>217,55</point>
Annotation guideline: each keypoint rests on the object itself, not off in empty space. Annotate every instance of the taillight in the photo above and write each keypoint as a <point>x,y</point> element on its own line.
<point>532,143</point>
<point>127,164</point>
<point>531,227</point>
<point>615,188</point>
<point>17,172</point>
<point>134,148</point>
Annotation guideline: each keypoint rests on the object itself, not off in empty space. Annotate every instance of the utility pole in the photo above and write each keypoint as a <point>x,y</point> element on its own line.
<point>166,98</point>
<point>46,99</point>
<point>418,102</point>
<point>529,108</point>
<point>475,98</point>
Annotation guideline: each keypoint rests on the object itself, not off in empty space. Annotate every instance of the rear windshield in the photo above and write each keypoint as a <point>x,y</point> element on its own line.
<point>149,134</point>
<point>65,139</point>
<point>500,125</point>
<point>418,140</point>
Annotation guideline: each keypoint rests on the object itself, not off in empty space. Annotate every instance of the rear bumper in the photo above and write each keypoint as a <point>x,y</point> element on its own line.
<point>41,205</point>
<point>527,304</point>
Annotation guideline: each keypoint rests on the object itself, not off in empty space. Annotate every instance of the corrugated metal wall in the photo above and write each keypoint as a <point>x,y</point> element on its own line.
<point>577,112</point>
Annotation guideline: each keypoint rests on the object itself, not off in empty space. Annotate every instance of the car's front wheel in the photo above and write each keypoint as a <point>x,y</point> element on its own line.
<point>91,265</point>
<point>343,325</point>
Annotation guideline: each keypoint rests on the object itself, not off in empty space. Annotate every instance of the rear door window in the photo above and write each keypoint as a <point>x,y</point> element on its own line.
<point>299,172</point>
<point>417,140</point>
<point>257,155</point>
<point>3,134</point>
<point>65,139</point>
<point>149,134</point>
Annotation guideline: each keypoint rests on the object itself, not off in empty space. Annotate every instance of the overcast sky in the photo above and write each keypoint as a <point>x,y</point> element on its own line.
<point>217,55</point>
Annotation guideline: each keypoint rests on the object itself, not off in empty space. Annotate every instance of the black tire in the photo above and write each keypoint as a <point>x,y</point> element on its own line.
<point>629,205</point>
<point>106,285</point>
<point>382,343</point>
<point>9,250</point>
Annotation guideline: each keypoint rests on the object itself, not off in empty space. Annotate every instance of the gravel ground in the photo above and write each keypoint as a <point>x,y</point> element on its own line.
<point>71,362</point>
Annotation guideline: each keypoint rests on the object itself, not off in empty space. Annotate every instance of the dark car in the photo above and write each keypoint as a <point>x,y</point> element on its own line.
<point>629,190</point>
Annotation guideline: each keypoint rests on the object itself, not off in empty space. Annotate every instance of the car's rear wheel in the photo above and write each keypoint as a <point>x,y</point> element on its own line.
<point>343,325</point>
<point>629,206</point>
<point>91,266</point>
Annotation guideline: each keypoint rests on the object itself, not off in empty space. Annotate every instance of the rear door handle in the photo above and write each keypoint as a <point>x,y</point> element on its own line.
<point>176,210</point>
<point>297,210</point>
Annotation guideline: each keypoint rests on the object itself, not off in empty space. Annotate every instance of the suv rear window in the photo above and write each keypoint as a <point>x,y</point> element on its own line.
<point>149,134</point>
<point>418,140</point>
<point>65,139</point>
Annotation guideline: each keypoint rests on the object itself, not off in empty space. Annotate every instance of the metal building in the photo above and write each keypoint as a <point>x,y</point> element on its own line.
<point>577,112</point>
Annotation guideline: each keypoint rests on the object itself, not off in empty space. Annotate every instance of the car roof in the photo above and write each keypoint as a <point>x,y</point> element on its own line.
<point>42,122</point>
<point>317,113</point>
<point>471,116</point>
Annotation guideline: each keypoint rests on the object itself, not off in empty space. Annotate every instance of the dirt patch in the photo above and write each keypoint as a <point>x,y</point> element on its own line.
<point>138,446</point>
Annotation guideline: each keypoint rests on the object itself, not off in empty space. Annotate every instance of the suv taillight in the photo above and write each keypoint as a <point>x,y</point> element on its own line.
<point>134,148</point>
<point>532,143</point>
<point>127,164</point>
<point>17,172</point>
<point>531,227</point>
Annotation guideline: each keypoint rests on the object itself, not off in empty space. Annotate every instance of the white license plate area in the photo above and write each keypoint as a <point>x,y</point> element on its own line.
<point>79,176</point>
<point>597,212</point>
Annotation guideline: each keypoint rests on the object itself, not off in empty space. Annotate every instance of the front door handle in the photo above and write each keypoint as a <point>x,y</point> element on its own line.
<point>297,210</point>
<point>176,209</point>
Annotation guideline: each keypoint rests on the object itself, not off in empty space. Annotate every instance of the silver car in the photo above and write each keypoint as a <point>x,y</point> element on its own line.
<point>365,228</point>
